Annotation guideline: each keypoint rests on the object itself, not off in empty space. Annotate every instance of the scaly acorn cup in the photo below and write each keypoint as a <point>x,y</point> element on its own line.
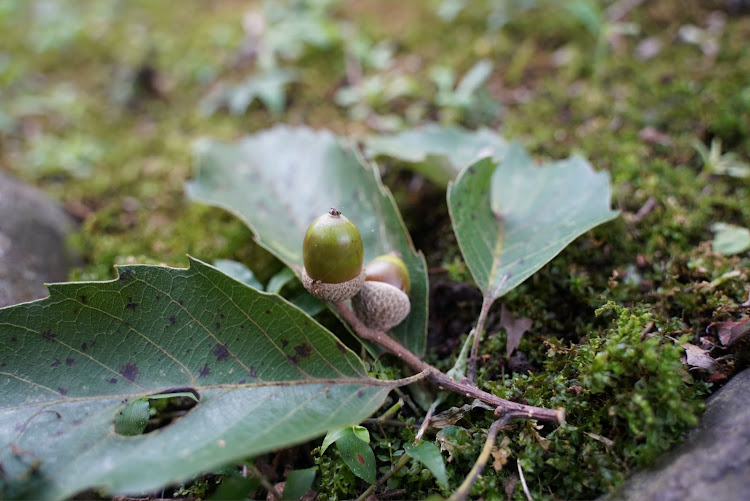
<point>383,302</point>
<point>332,252</point>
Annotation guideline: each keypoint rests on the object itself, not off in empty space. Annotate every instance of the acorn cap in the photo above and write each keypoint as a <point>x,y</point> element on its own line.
<point>332,250</point>
<point>333,292</point>
<point>381,306</point>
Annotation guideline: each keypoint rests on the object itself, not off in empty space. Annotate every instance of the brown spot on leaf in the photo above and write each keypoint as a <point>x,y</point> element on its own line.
<point>221,315</point>
<point>130,371</point>
<point>361,459</point>
<point>131,305</point>
<point>181,302</point>
<point>284,342</point>
<point>268,312</point>
<point>49,335</point>
<point>56,363</point>
<point>69,361</point>
<point>13,339</point>
<point>292,360</point>
<point>112,380</point>
<point>172,320</point>
<point>218,326</point>
<point>205,371</point>
<point>341,348</point>
<point>84,347</point>
<point>83,298</point>
<point>303,350</point>
<point>252,372</point>
<point>62,391</point>
<point>221,352</point>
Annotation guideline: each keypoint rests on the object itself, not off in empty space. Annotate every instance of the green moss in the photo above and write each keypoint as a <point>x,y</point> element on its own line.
<point>627,398</point>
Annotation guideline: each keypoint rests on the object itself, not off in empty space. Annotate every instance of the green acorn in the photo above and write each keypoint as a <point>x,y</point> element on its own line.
<point>332,252</point>
<point>389,268</point>
<point>383,302</point>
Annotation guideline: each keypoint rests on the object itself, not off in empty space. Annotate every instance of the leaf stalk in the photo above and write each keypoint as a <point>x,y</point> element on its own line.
<point>478,330</point>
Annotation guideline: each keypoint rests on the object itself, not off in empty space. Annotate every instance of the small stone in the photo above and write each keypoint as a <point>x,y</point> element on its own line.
<point>713,462</point>
<point>648,48</point>
<point>33,230</point>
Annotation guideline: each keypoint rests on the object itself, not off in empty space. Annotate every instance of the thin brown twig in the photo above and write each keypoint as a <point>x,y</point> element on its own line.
<point>402,460</point>
<point>465,488</point>
<point>503,408</point>
<point>387,422</point>
<point>645,209</point>
<point>396,493</point>
<point>523,482</point>
<point>486,304</point>
<point>254,471</point>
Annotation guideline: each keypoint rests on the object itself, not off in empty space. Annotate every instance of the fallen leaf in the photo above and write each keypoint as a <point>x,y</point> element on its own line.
<point>731,332</point>
<point>259,178</point>
<point>606,441</point>
<point>698,357</point>
<point>730,239</point>
<point>510,485</point>
<point>652,135</point>
<point>648,48</point>
<point>245,355</point>
<point>500,455</point>
<point>515,327</point>
<point>513,218</point>
<point>438,153</point>
<point>453,415</point>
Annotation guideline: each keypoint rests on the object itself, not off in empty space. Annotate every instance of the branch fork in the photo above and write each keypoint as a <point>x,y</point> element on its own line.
<point>504,409</point>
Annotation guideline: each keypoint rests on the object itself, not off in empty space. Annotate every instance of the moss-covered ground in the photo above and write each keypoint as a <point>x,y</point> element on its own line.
<point>99,106</point>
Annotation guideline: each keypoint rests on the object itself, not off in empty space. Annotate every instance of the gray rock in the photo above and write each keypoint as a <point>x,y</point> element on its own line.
<point>714,461</point>
<point>33,230</point>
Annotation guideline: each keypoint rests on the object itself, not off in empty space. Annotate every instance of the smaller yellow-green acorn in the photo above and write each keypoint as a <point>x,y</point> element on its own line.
<point>389,268</point>
<point>332,253</point>
<point>383,302</point>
